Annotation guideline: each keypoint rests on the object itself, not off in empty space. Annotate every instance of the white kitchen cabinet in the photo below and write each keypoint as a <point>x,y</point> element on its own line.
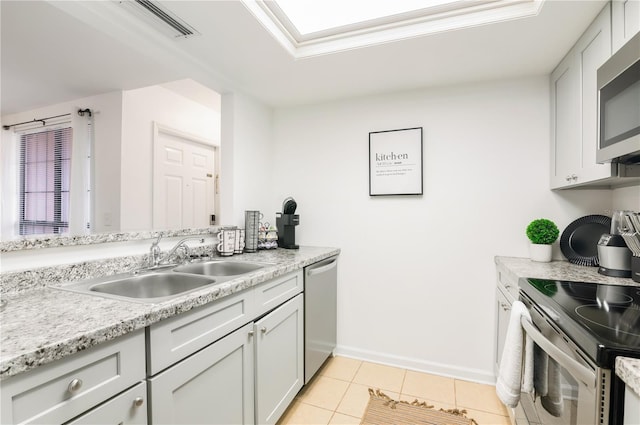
<point>631,407</point>
<point>506,294</point>
<point>62,390</point>
<point>279,359</point>
<point>574,109</point>
<point>249,376</point>
<point>276,291</point>
<point>625,21</point>
<point>128,408</point>
<point>174,339</point>
<point>503,311</point>
<point>213,386</point>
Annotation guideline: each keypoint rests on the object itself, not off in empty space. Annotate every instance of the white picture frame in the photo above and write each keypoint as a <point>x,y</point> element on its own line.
<point>395,162</point>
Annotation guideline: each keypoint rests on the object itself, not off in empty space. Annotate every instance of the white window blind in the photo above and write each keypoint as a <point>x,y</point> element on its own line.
<point>45,170</point>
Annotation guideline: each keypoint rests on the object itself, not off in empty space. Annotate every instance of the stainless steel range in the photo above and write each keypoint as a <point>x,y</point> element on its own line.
<point>580,328</point>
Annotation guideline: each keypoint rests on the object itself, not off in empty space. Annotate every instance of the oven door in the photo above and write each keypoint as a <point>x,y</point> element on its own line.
<point>572,387</point>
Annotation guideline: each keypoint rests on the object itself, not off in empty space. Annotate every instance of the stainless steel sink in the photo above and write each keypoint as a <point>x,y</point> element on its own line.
<point>146,287</point>
<point>152,285</point>
<point>220,268</point>
<point>162,283</point>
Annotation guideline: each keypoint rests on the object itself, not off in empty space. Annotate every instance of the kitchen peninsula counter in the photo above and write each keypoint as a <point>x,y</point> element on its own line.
<point>627,369</point>
<point>43,325</point>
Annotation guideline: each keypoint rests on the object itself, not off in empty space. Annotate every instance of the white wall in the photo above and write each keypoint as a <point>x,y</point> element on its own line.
<point>626,198</point>
<point>247,159</point>
<point>141,107</point>
<point>416,278</point>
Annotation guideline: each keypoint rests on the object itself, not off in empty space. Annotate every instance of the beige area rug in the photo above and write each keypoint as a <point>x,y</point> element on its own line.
<point>382,410</point>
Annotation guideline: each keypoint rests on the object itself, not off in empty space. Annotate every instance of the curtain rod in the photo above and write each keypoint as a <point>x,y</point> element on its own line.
<point>42,120</point>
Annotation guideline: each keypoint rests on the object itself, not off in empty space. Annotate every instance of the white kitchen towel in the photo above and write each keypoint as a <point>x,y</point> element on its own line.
<point>516,366</point>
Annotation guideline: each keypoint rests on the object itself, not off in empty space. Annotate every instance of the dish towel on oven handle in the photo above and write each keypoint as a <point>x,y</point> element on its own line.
<point>546,382</point>
<point>515,374</point>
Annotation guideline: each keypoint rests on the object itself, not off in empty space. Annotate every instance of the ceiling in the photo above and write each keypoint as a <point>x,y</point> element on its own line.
<point>57,51</point>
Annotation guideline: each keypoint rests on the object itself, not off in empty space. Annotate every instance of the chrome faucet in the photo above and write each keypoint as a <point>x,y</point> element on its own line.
<point>155,252</point>
<point>156,258</point>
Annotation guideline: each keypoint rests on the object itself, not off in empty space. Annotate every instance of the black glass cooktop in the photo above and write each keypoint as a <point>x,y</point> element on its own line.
<point>603,320</point>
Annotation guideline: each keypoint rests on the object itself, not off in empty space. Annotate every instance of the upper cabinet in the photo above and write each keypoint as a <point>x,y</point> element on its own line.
<point>625,19</point>
<point>574,108</point>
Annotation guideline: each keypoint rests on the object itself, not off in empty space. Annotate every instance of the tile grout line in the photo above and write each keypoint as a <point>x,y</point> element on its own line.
<point>350,382</point>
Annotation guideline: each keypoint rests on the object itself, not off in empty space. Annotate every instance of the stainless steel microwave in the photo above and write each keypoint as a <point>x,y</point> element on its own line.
<point>619,105</point>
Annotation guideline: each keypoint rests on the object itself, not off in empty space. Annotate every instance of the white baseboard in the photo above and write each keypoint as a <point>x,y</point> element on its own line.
<point>473,375</point>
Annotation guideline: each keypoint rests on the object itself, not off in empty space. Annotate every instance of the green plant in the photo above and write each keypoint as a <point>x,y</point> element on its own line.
<point>542,231</point>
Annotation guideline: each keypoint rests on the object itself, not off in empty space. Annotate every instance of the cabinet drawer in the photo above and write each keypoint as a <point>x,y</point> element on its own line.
<point>128,408</point>
<point>276,291</point>
<point>174,339</point>
<point>61,390</point>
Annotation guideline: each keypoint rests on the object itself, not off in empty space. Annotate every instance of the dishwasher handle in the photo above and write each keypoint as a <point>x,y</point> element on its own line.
<point>321,269</point>
<point>578,371</point>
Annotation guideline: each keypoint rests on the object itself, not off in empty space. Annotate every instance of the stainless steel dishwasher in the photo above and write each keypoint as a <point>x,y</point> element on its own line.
<point>320,309</point>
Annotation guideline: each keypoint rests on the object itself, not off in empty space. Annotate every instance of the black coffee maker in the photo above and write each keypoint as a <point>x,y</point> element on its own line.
<point>286,222</point>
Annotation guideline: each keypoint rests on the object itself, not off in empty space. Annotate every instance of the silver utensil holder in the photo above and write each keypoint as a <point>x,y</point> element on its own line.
<point>251,227</point>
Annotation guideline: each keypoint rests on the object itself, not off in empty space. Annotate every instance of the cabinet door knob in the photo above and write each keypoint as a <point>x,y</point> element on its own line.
<point>574,177</point>
<point>568,178</point>
<point>263,329</point>
<point>251,333</point>
<point>74,385</point>
<point>138,401</point>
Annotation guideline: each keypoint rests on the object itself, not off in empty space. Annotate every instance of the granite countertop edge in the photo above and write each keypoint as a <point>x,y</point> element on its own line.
<point>628,369</point>
<point>43,325</point>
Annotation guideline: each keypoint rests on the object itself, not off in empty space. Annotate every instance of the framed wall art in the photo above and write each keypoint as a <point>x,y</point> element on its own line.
<point>395,162</point>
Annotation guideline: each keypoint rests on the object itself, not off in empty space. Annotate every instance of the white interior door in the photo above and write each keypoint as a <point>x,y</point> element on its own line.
<point>183,180</point>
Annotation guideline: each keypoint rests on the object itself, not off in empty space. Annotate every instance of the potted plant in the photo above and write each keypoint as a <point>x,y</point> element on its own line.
<point>542,233</point>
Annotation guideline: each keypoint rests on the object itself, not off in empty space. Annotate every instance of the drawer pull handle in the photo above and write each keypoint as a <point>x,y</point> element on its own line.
<point>263,330</point>
<point>74,385</point>
<point>138,401</point>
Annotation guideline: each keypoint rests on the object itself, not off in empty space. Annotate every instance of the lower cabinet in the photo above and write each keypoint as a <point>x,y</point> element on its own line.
<point>213,386</point>
<point>279,359</point>
<point>236,361</point>
<point>503,313</point>
<point>250,376</point>
<point>84,382</point>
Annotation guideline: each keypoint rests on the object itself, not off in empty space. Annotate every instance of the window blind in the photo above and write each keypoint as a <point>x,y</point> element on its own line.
<point>45,170</point>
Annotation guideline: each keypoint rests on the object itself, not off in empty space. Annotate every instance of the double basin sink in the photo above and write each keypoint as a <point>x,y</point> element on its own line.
<point>162,283</point>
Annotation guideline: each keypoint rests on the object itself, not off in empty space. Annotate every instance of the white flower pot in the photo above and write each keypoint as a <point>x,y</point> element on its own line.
<point>540,252</point>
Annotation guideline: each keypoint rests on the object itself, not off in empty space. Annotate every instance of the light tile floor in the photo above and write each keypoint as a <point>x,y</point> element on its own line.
<point>339,393</point>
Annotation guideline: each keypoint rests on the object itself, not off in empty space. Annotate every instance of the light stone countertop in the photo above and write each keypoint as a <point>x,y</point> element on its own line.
<point>42,325</point>
<point>558,270</point>
<point>626,368</point>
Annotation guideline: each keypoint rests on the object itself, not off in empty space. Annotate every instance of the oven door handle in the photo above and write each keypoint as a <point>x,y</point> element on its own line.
<point>578,371</point>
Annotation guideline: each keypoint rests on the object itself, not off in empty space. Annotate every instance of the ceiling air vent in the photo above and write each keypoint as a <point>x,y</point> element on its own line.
<point>171,24</point>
